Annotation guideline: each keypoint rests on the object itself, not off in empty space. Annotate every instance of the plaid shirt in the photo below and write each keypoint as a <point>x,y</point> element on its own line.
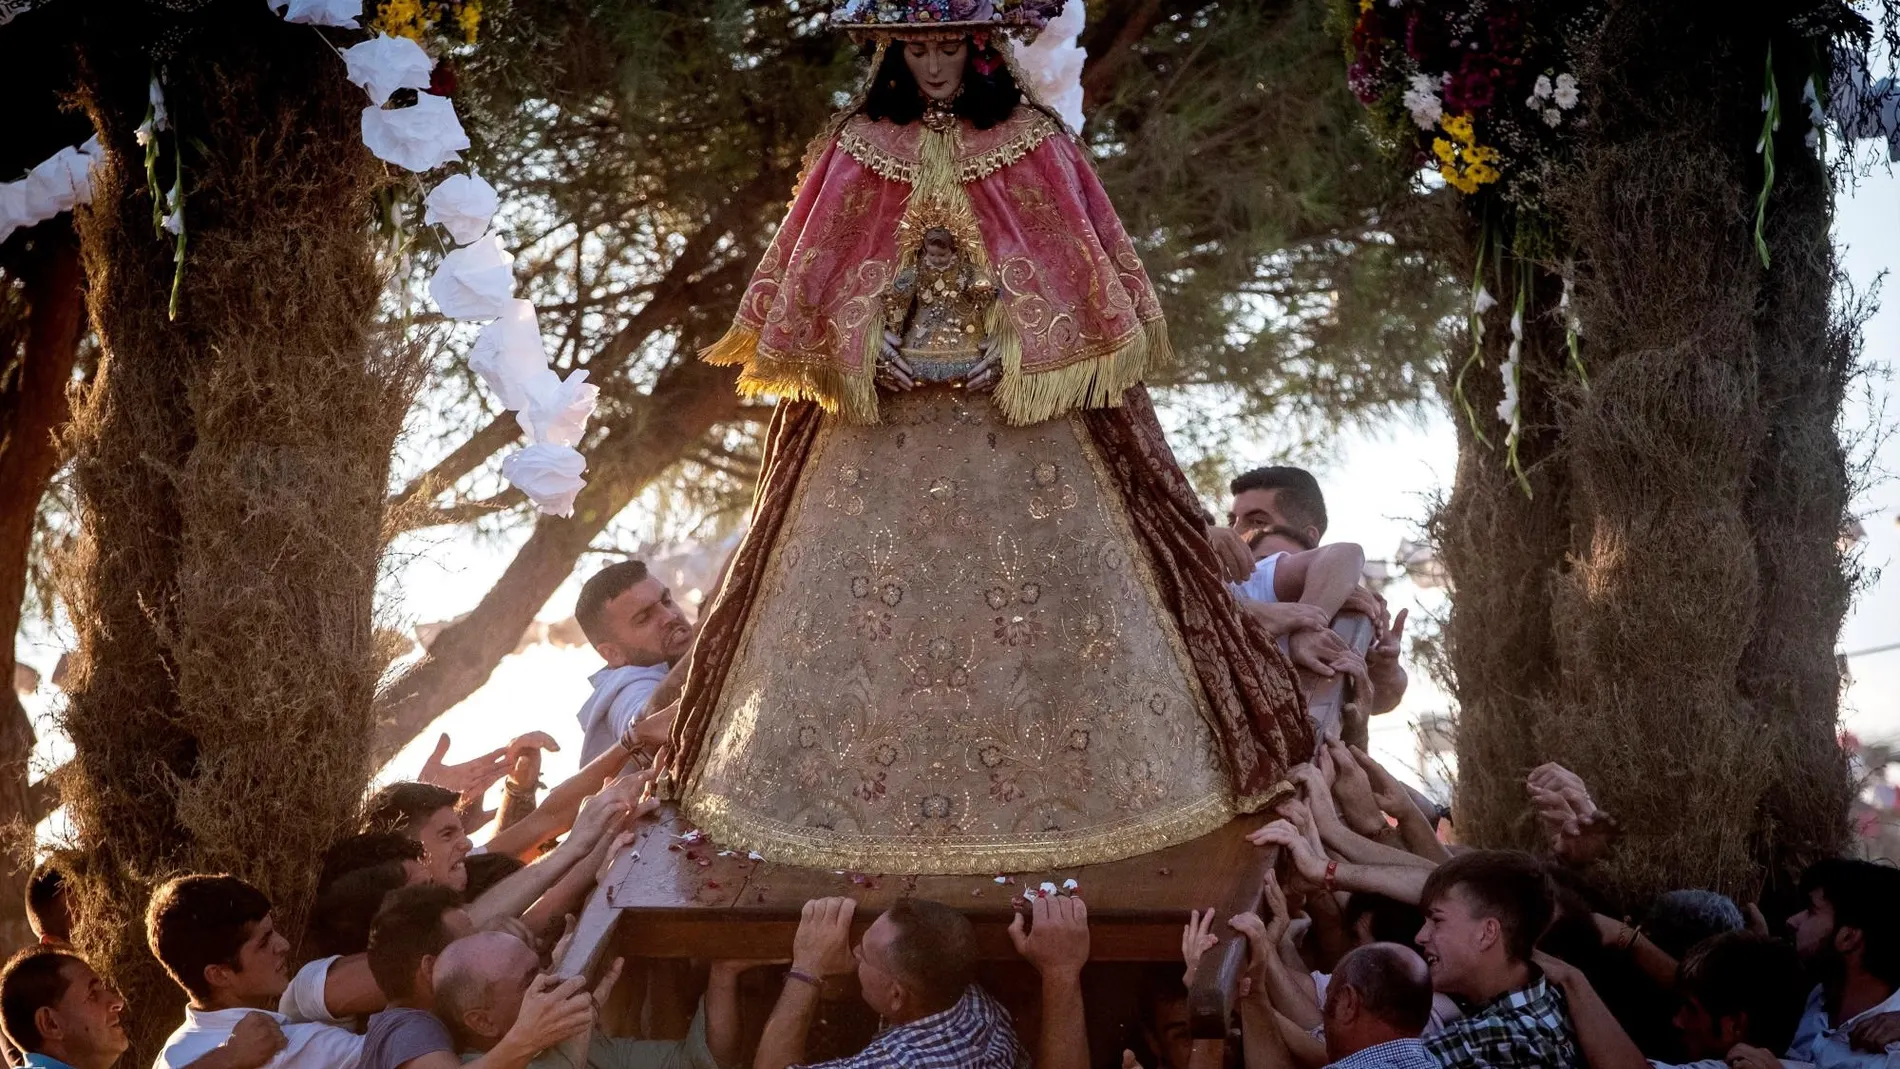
<point>975,1033</point>
<point>1521,1029</point>
<point>1398,1054</point>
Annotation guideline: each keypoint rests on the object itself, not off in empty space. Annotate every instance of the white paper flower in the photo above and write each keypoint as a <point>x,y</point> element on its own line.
<point>174,222</point>
<point>155,93</point>
<point>320,12</point>
<point>384,64</point>
<point>549,474</point>
<point>1071,885</point>
<point>1484,301</point>
<point>475,282</point>
<point>1552,116</point>
<point>558,411</point>
<point>1421,99</point>
<point>1507,408</point>
<point>510,359</point>
<point>464,204</point>
<point>1565,94</point>
<point>1541,87</point>
<point>58,183</point>
<point>417,138</point>
<point>1052,65</point>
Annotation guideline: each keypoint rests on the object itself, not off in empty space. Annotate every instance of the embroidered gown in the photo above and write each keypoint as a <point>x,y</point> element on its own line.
<point>967,632</point>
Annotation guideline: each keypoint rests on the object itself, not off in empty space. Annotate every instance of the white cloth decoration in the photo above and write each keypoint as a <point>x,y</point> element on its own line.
<point>320,12</point>
<point>155,93</point>
<point>1864,108</point>
<point>1053,64</point>
<point>13,209</point>
<point>475,282</point>
<point>417,138</point>
<point>510,359</point>
<point>464,204</point>
<point>558,412</point>
<point>384,64</point>
<point>1507,408</point>
<point>549,474</point>
<point>57,184</point>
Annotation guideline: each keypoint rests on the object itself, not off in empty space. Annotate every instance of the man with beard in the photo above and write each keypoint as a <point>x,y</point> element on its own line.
<point>1849,939</point>
<point>630,619</point>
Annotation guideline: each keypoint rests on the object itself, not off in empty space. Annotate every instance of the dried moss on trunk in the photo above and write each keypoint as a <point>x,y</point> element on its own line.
<point>1679,645</point>
<point>231,467</point>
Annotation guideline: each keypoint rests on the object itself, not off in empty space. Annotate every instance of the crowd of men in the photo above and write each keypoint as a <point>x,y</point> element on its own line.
<point>1381,944</point>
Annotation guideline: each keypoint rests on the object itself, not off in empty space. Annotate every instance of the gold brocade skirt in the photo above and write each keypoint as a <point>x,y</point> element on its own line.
<point>957,662</point>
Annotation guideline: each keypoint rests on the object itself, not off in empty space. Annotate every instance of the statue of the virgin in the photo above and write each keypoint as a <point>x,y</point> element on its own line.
<point>975,625</point>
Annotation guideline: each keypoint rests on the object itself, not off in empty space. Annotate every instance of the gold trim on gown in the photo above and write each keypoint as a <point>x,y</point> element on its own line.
<point>958,662</point>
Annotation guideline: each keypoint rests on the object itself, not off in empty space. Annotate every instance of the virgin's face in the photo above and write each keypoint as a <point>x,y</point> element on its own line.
<point>937,66</point>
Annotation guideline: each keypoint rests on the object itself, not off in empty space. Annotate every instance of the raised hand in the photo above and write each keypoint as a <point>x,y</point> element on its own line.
<point>1352,789</point>
<point>1231,552</point>
<point>1309,863</point>
<point>822,944</point>
<point>1197,938</point>
<point>472,776</point>
<point>1386,650</point>
<point>1057,942</point>
<point>1371,606</point>
<point>552,1011</point>
<point>1388,792</point>
<point>1282,618</point>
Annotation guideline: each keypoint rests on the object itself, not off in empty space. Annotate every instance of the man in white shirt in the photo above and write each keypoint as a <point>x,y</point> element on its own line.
<point>215,936</point>
<point>630,619</point>
<point>1849,938</point>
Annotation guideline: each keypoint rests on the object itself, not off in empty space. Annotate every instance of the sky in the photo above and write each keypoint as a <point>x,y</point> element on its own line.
<point>1378,486</point>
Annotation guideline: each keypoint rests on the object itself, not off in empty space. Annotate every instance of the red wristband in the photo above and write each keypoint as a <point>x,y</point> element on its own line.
<point>1332,871</point>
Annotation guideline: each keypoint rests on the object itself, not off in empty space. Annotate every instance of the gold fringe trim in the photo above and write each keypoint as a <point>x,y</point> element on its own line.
<point>891,167</point>
<point>836,389</point>
<point>951,855</point>
<point>734,349</point>
<point>1098,382</point>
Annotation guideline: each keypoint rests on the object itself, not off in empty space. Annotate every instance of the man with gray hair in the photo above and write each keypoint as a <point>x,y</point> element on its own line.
<point>1377,1004</point>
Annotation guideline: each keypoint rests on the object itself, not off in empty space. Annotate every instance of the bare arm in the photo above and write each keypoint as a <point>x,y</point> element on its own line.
<point>555,815</point>
<point>722,1010</point>
<point>569,893</point>
<point>783,1041</point>
<point>1057,944</point>
<point>1403,883</point>
<point>601,818</point>
<point>1320,577</point>
<point>1604,1043</point>
<point>1653,960</point>
<point>821,947</point>
<point>349,990</point>
<point>1260,1044</point>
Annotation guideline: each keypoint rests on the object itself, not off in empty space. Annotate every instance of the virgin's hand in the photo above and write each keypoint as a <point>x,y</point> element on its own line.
<point>893,373</point>
<point>984,377</point>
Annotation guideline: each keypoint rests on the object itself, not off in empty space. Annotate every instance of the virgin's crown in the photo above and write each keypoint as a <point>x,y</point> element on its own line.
<point>896,19</point>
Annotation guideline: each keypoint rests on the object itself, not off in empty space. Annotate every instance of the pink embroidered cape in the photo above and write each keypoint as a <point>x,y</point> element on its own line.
<point>1079,319</point>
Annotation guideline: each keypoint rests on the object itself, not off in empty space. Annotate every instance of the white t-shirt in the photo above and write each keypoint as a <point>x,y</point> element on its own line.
<point>306,1045</point>
<point>620,697</point>
<point>303,1000</point>
<point>1259,585</point>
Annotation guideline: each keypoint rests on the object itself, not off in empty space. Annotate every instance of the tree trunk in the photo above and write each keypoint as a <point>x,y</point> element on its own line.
<point>33,407</point>
<point>686,403</point>
<point>231,467</point>
<point>1688,673</point>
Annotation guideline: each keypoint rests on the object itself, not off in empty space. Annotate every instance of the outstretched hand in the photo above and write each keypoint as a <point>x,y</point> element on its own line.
<point>1197,938</point>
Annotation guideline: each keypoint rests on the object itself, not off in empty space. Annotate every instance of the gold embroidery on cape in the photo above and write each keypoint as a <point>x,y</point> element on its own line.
<point>869,143</point>
<point>960,685</point>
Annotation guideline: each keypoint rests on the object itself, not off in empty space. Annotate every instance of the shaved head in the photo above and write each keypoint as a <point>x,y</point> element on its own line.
<point>479,981</point>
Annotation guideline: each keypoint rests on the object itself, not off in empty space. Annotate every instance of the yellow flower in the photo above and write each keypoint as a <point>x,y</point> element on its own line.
<point>469,18</point>
<point>1481,154</point>
<point>401,18</point>
<point>1444,151</point>
<point>1481,173</point>
<point>1365,6</point>
<point>1458,126</point>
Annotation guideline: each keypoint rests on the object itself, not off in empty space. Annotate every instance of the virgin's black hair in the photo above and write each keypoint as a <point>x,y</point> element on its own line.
<point>986,99</point>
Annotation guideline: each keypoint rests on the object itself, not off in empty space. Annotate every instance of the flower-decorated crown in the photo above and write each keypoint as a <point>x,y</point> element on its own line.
<point>901,19</point>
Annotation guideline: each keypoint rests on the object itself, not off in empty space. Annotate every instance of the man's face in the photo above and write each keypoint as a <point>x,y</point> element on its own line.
<point>1455,941</point>
<point>1704,1035</point>
<point>1814,929</point>
<point>1168,1036</point>
<point>89,1033</point>
<point>1257,510</point>
<point>445,848</point>
<point>642,626</point>
<point>877,983</point>
<point>937,66</point>
<point>516,968</point>
<point>263,967</point>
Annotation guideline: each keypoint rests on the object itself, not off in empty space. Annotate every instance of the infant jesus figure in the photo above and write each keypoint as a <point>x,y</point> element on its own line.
<point>934,314</point>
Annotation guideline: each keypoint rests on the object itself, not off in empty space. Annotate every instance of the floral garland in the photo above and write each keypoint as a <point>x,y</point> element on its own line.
<point>475,281</point>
